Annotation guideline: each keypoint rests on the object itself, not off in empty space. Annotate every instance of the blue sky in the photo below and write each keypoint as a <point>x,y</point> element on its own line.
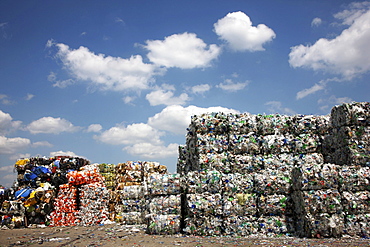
<point>113,81</point>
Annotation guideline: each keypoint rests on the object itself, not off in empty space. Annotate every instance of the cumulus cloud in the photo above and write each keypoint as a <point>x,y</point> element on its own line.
<point>94,128</point>
<point>166,97</point>
<point>347,54</point>
<point>7,124</point>
<point>130,135</point>
<point>42,144</point>
<point>13,145</point>
<point>105,72</point>
<point>231,86</point>
<point>200,89</point>
<point>237,30</point>
<point>150,151</point>
<point>185,51</point>
<point>316,22</point>
<point>277,107</point>
<point>176,118</point>
<point>64,153</point>
<point>50,125</point>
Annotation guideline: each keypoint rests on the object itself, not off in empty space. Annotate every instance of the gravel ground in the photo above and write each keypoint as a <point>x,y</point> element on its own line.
<point>121,235</point>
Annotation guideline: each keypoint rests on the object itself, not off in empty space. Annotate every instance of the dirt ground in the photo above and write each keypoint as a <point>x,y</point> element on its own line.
<point>121,235</point>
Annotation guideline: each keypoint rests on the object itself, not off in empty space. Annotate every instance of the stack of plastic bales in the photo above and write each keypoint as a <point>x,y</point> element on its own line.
<point>317,200</point>
<point>163,213</point>
<point>108,171</point>
<point>129,194</point>
<point>348,145</point>
<point>83,201</point>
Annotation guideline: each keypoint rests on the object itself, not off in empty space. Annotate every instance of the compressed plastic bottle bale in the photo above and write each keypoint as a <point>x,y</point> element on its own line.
<point>357,225</point>
<point>306,143</point>
<point>282,162</point>
<point>163,184</point>
<point>309,158</point>
<point>211,142</point>
<point>201,225</point>
<point>242,123</point>
<point>356,202</point>
<point>319,201</point>
<point>276,144</point>
<point>130,176</point>
<point>275,205</point>
<point>351,155</point>
<point>130,205</point>
<point>131,192</point>
<point>203,204</point>
<point>167,224</point>
<point>203,181</point>
<point>316,177</point>
<point>239,204</point>
<point>237,183</point>
<point>323,225</point>
<point>275,225</point>
<point>240,225</point>
<point>107,168</point>
<point>354,178</point>
<point>162,205</point>
<point>210,122</point>
<point>273,182</point>
<point>356,113</point>
<point>151,167</point>
<point>130,218</point>
<point>246,164</point>
<point>245,144</point>
<point>181,166</point>
<point>215,161</point>
<point>310,124</point>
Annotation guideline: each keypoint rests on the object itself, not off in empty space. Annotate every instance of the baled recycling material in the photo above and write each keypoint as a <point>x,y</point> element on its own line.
<point>237,174</point>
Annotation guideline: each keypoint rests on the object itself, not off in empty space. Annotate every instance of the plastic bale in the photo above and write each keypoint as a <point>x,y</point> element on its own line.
<point>130,205</point>
<point>237,183</point>
<point>245,144</point>
<point>276,144</point>
<point>357,225</point>
<point>316,177</point>
<point>275,205</point>
<point>272,226</point>
<point>202,225</point>
<point>281,162</point>
<point>130,218</point>
<point>205,204</point>
<point>246,164</point>
<point>354,178</point>
<point>212,143</point>
<point>272,124</point>
<point>324,225</point>
<point>356,202</point>
<point>203,181</point>
<point>310,124</point>
<point>240,225</point>
<point>273,182</point>
<point>239,204</point>
<point>215,161</point>
<point>131,192</point>
<point>167,224</point>
<point>243,123</point>
<point>317,201</point>
<point>356,113</point>
<point>163,184</point>
<point>210,122</point>
<point>163,205</point>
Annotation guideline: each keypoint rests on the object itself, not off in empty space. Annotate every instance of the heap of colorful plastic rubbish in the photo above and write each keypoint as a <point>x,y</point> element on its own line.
<point>272,175</point>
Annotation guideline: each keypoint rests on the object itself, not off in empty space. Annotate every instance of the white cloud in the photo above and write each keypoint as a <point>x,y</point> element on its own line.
<point>328,102</point>
<point>128,99</point>
<point>132,134</point>
<point>5,100</point>
<point>347,55</point>
<point>166,97</point>
<point>237,30</point>
<point>150,151</point>
<point>64,153</point>
<point>277,107</point>
<point>231,86</point>
<point>29,96</point>
<point>185,51</point>
<point>106,72</point>
<point>176,118</point>
<point>7,124</point>
<point>200,89</point>
<point>316,22</point>
<point>94,128</point>
<point>12,145</point>
<point>50,125</point>
<point>42,144</point>
<point>305,92</point>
